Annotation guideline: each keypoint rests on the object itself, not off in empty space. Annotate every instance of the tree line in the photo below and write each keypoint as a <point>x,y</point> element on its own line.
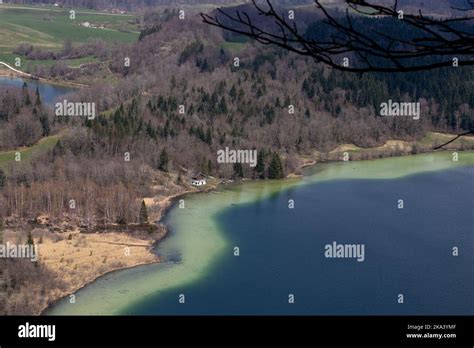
<point>182,99</point>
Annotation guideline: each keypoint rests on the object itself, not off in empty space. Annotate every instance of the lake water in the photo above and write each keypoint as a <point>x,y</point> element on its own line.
<point>49,93</point>
<point>408,251</point>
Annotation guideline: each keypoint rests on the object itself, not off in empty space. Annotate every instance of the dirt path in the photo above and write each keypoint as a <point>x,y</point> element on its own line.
<point>24,74</point>
<point>18,71</point>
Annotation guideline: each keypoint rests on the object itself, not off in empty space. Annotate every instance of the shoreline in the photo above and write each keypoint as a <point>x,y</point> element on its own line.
<point>203,202</point>
<point>150,248</point>
<point>25,76</point>
<point>51,304</point>
<point>166,203</point>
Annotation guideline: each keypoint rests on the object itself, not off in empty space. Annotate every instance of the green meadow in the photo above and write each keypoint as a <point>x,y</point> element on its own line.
<point>234,47</point>
<point>48,27</point>
<point>44,144</point>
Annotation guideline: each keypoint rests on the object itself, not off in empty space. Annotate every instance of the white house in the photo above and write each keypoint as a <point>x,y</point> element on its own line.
<point>198,181</point>
<point>86,24</point>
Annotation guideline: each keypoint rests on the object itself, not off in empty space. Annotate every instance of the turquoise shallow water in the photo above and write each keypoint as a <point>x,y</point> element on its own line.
<point>407,251</point>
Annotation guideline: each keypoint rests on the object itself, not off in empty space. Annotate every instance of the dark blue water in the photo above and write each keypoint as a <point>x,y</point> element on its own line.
<point>407,252</point>
<point>49,93</point>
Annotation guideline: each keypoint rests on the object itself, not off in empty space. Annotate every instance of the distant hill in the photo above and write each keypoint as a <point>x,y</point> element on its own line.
<point>439,7</point>
<point>125,4</point>
<point>443,8</point>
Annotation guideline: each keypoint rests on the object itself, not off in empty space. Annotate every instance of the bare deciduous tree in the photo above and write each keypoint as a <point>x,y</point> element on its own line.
<point>435,43</point>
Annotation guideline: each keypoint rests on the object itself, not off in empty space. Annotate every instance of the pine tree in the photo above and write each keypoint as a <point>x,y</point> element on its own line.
<point>223,106</point>
<point>143,218</point>
<point>238,170</point>
<point>3,178</point>
<point>233,93</point>
<point>30,240</point>
<point>208,137</point>
<point>163,161</point>
<point>277,102</point>
<point>26,94</point>
<point>260,167</point>
<point>275,170</point>
<point>204,166</point>
<point>38,97</point>
<point>45,124</point>
<point>179,180</point>
<point>209,167</point>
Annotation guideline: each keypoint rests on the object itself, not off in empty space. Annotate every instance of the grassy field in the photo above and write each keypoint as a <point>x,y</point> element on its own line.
<point>47,27</point>
<point>44,144</point>
<point>234,47</point>
<point>430,140</point>
<point>74,63</point>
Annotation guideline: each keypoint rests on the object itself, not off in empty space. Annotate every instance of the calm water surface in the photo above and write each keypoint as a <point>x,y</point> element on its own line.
<point>49,93</point>
<point>407,251</point>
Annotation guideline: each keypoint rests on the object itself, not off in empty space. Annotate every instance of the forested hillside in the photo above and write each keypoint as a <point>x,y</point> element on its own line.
<point>188,93</point>
<point>169,94</point>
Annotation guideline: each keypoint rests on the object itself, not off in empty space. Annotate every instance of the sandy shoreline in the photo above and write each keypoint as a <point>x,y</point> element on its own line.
<point>165,203</point>
<point>141,253</point>
<point>55,301</point>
